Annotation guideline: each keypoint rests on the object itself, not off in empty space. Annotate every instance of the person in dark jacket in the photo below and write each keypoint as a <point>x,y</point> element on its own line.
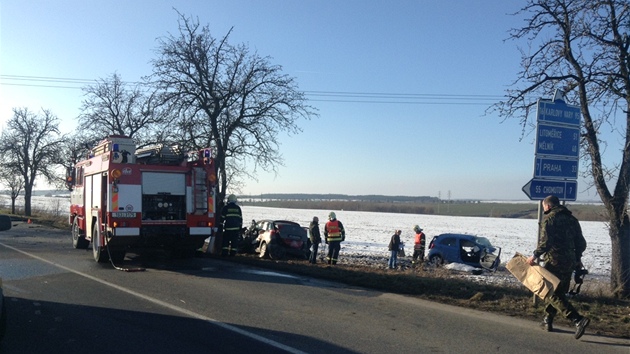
<point>561,246</point>
<point>394,247</point>
<point>231,223</point>
<point>315,238</point>
<point>334,234</point>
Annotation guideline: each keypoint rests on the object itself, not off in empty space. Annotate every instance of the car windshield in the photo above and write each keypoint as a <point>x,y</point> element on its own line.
<point>483,241</point>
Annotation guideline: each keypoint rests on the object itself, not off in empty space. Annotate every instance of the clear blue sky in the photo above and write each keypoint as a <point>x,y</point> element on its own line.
<point>449,55</point>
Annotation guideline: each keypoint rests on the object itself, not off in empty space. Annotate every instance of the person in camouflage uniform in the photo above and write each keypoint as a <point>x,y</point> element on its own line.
<point>561,246</point>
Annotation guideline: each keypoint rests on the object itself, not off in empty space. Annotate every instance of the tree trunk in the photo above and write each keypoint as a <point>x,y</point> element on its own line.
<point>620,262</point>
<point>13,205</point>
<point>28,192</point>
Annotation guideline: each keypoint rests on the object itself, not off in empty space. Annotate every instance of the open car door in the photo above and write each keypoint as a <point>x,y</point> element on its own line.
<point>490,261</point>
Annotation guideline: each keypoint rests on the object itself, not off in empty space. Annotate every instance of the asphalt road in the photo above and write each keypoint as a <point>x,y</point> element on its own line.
<point>60,301</point>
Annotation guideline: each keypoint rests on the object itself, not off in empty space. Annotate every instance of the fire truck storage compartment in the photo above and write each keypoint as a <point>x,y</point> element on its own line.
<point>163,196</point>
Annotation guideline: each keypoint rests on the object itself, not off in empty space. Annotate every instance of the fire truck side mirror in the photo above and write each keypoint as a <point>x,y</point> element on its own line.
<point>70,178</point>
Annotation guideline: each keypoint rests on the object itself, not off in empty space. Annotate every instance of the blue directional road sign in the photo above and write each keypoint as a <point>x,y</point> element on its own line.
<point>555,168</point>
<point>539,189</point>
<point>557,150</point>
<point>558,112</point>
<point>557,140</point>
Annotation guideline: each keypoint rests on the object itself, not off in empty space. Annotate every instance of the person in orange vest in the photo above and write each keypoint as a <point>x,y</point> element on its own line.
<point>334,234</point>
<point>418,245</point>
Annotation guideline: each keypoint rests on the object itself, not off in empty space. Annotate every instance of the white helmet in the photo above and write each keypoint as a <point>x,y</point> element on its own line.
<point>231,198</point>
<point>417,228</point>
<point>332,216</point>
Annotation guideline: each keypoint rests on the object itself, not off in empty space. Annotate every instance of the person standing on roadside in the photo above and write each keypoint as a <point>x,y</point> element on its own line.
<point>418,245</point>
<point>561,245</point>
<point>394,247</point>
<point>315,238</point>
<point>231,222</point>
<point>334,234</point>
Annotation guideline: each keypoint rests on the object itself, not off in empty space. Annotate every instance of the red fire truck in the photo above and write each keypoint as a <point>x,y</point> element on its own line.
<point>151,197</point>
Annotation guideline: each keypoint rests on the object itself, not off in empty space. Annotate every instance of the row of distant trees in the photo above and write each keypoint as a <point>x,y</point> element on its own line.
<point>203,92</point>
<point>207,92</point>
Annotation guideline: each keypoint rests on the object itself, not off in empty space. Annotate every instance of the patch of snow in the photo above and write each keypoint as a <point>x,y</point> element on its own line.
<point>368,233</point>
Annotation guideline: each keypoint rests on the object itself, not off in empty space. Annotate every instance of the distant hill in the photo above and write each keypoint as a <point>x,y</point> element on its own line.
<point>339,197</point>
<point>415,205</point>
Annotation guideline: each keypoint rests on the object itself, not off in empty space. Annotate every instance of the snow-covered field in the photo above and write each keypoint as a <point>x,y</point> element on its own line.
<point>368,233</point>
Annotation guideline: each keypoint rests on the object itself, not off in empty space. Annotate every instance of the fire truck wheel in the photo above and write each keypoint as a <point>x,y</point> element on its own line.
<point>100,253</point>
<point>78,239</point>
<point>263,250</point>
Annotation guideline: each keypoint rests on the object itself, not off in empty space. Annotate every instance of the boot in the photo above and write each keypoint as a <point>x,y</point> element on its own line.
<point>580,326</point>
<point>547,323</point>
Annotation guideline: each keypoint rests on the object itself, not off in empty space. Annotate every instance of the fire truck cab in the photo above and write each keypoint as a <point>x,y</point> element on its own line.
<point>151,197</point>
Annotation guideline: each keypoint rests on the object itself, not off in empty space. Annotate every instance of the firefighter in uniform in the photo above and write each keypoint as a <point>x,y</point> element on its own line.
<point>418,245</point>
<point>334,234</point>
<point>232,223</point>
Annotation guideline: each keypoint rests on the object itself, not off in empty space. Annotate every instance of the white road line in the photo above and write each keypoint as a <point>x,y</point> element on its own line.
<point>166,305</point>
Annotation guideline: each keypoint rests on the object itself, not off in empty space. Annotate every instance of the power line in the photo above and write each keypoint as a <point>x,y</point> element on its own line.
<point>46,78</point>
<point>315,96</point>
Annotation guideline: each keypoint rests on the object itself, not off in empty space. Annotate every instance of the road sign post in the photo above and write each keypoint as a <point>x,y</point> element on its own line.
<point>557,151</point>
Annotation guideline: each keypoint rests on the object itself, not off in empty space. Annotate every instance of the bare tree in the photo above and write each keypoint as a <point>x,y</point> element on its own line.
<point>12,180</point>
<point>74,149</point>
<point>581,47</point>
<point>113,107</point>
<point>229,99</point>
<point>30,145</point>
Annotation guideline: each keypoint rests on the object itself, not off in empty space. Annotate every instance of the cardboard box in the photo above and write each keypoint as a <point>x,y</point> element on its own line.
<point>536,278</point>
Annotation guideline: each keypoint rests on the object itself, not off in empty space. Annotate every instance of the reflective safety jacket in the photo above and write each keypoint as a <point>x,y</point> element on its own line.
<point>334,231</point>
<point>419,241</point>
<point>231,217</point>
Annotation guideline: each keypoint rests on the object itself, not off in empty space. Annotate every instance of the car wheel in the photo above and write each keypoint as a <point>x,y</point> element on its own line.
<point>436,260</point>
<point>263,250</point>
<point>276,252</point>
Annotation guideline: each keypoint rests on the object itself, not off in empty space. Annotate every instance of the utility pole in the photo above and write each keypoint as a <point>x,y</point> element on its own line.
<point>448,205</point>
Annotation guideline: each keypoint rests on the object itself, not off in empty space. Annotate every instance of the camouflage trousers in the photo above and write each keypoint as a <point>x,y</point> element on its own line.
<point>558,302</point>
